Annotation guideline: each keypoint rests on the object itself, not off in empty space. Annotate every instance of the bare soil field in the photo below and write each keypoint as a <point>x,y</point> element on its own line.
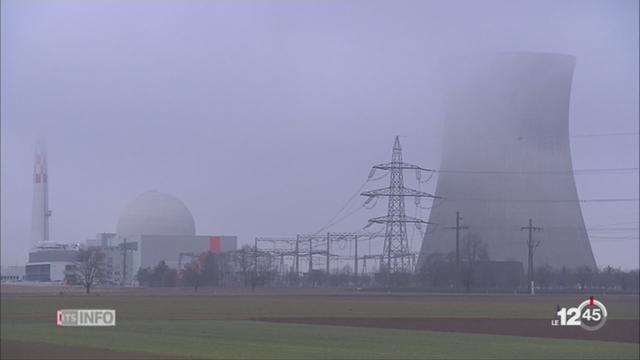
<point>614,330</point>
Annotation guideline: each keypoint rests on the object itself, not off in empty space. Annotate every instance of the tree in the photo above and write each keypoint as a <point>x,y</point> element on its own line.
<point>583,276</point>
<point>544,276</point>
<point>634,279</point>
<point>163,276</point>
<point>244,259</point>
<point>606,277</point>
<point>472,250</point>
<point>90,267</point>
<point>191,275</point>
<point>205,270</point>
<point>144,276</point>
<point>265,269</point>
<point>226,268</point>
<point>160,275</point>
<point>210,270</point>
<point>438,271</point>
<point>564,278</point>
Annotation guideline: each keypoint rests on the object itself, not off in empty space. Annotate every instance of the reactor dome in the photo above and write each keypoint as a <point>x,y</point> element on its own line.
<point>156,213</point>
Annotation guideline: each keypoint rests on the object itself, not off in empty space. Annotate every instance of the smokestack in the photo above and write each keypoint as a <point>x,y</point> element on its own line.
<point>41,212</point>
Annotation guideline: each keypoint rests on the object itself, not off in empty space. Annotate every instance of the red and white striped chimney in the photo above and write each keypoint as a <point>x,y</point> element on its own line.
<point>41,212</point>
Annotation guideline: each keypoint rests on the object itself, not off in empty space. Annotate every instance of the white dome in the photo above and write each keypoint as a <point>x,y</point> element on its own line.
<point>156,213</point>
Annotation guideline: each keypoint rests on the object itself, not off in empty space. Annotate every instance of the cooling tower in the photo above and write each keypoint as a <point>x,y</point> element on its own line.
<point>507,158</point>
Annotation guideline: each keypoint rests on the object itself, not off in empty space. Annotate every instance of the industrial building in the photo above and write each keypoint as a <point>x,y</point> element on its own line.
<point>48,261</point>
<point>154,227</point>
<point>507,159</point>
<point>12,273</point>
<point>51,262</point>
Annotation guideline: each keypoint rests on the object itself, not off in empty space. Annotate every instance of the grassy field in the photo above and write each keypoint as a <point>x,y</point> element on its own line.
<point>224,325</point>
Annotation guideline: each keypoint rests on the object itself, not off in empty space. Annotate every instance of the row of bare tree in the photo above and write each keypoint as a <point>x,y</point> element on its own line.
<point>474,272</point>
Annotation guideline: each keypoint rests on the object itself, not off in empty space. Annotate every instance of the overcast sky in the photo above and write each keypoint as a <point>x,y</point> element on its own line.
<point>264,117</point>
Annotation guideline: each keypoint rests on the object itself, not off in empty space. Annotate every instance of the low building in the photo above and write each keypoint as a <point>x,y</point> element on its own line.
<point>50,261</point>
<point>12,273</point>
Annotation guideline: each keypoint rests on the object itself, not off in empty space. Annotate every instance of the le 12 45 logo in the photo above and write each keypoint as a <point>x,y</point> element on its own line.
<point>590,315</point>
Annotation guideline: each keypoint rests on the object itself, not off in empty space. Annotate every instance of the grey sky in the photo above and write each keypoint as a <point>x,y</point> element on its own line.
<point>264,117</point>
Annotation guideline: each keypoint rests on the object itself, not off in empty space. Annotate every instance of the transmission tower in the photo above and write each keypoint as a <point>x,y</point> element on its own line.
<point>396,253</point>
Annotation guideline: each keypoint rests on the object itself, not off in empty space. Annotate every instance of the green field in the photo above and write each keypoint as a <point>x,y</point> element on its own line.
<point>224,325</point>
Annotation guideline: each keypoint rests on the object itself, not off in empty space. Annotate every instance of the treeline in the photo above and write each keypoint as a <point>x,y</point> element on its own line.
<point>161,275</point>
<point>583,278</point>
<point>240,268</point>
<point>479,273</point>
<point>474,272</point>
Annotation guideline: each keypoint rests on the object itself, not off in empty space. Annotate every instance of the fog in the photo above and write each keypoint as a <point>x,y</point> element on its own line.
<point>265,117</point>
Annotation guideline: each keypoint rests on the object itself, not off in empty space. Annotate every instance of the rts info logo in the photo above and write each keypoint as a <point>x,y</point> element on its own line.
<point>86,317</point>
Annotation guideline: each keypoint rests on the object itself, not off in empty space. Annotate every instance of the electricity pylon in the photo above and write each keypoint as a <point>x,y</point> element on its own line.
<point>396,253</point>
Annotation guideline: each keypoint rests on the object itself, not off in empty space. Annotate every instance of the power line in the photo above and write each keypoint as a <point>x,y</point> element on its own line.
<point>604,135</point>
<point>330,222</point>
<point>346,216</point>
<point>625,170</point>
<point>629,231</point>
<point>546,201</point>
<point>613,229</point>
<point>614,224</point>
<point>603,238</point>
<point>614,237</point>
<point>333,220</point>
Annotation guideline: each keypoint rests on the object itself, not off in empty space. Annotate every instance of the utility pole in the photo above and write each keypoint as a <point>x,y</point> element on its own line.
<point>413,262</point>
<point>297,255</point>
<point>124,261</point>
<point>328,250</point>
<point>255,261</point>
<point>531,246</point>
<point>310,255</point>
<point>458,228</point>
<point>355,266</point>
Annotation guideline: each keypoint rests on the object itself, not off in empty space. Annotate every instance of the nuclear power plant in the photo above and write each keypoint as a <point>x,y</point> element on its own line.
<point>506,172</point>
<point>507,159</point>
<point>153,227</point>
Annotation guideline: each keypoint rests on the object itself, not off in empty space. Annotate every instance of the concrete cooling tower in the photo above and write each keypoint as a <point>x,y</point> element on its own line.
<point>507,158</point>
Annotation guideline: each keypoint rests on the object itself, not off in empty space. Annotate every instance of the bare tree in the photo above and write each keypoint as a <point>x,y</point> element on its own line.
<point>438,271</point>
<point>226,268</point>
<point>192,275</point>
<point>473,250</point>
<point>210,269</point>
<point>244,259</point>
<point>90,267</point>
<point>266,269</point>
<point>584,275</point>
